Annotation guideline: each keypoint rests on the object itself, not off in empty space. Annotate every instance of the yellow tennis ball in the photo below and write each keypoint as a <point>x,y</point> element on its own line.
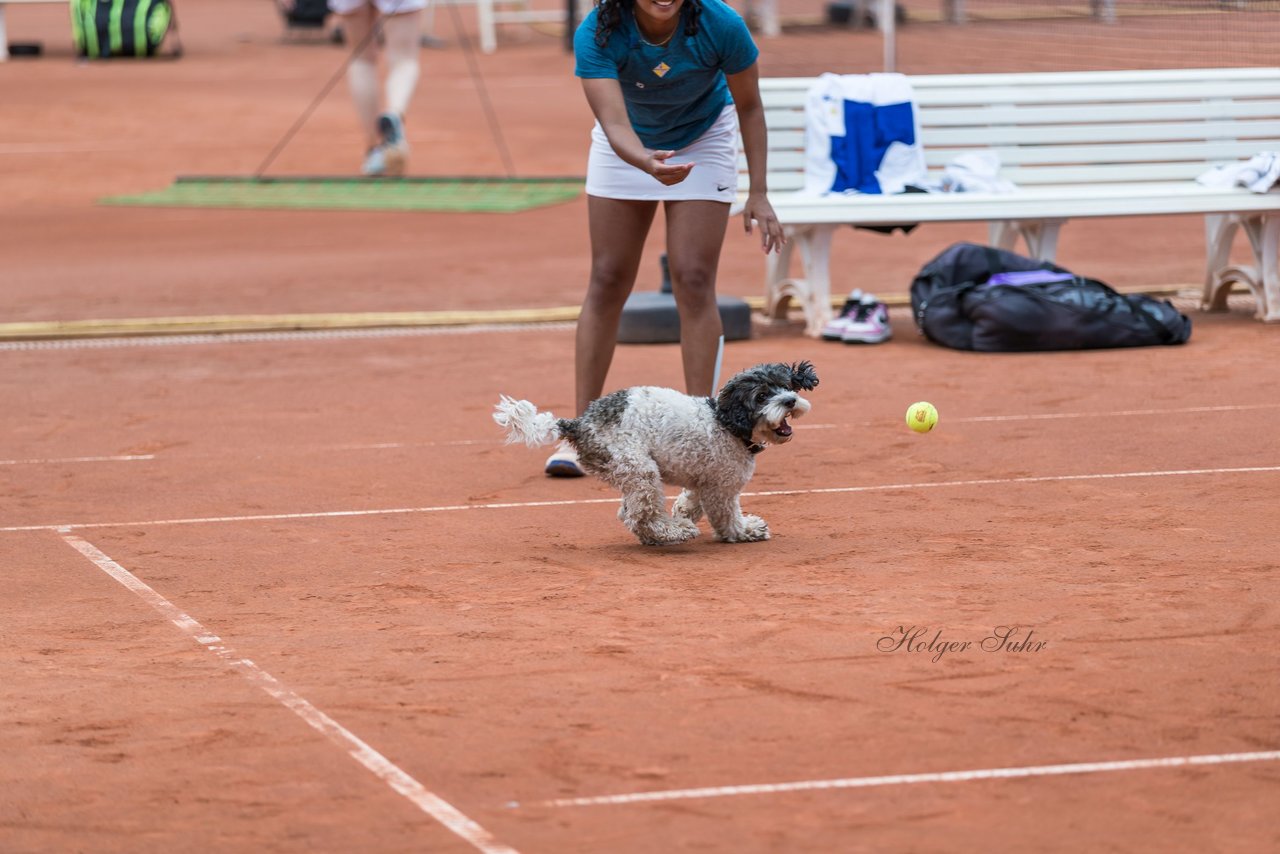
<point>921,417</point>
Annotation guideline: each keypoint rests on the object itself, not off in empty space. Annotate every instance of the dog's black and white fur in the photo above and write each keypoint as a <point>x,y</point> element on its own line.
<point>639,438</point>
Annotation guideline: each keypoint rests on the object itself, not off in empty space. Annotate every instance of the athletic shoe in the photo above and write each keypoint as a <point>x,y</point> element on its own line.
<point>870,324</point>
<point>394,145</point>
<point>564,462</point>
<point>375,162</point>
<point>834,330</point>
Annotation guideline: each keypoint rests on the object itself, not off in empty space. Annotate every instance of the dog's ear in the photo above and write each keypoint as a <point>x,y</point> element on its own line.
<point>803,377</point>
<point>733,407</point>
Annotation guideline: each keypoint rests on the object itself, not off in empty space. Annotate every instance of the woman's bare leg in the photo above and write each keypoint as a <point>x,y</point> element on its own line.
<point>618,230</point>
<point>695,233</point>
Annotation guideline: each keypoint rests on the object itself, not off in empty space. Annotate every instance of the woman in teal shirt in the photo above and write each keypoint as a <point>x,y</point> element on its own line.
<point>670,83</point>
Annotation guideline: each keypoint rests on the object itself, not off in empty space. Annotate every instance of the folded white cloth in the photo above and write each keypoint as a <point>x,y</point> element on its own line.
<point>972,172</point>
<point>1259,174</point>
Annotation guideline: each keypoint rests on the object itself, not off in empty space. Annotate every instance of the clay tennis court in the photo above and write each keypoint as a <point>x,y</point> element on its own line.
<point>290,591</point>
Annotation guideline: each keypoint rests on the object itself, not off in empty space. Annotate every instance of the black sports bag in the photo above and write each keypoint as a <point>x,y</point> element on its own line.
<point>973,297</point>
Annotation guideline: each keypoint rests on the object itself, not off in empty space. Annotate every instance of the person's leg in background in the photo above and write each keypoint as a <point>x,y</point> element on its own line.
<point>362,80</point>
<point>402,42</point>
<point>695,233</point>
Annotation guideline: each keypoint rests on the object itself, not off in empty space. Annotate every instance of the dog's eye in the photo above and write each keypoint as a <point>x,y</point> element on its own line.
<point>762,397</point>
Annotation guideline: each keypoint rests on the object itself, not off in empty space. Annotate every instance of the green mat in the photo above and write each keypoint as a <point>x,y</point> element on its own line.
<point>489,195</point>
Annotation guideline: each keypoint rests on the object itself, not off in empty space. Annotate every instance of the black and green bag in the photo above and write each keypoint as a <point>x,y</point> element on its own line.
<point>104,29</point>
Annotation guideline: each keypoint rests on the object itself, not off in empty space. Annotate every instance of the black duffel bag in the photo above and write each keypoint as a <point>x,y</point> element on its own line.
<point>973,297</point>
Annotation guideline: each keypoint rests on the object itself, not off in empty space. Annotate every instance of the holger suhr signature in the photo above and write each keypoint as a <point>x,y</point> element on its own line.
<point>923,639</point>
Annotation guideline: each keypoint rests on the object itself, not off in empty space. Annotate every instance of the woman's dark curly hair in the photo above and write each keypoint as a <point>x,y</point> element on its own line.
<point>609,17</point>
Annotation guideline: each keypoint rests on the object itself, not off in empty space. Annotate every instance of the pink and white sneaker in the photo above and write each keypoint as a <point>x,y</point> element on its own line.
<point>834,330</point>
<point>869,324</point>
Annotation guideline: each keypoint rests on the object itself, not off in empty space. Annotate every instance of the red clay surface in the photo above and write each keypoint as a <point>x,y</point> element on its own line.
<point>524,653</point>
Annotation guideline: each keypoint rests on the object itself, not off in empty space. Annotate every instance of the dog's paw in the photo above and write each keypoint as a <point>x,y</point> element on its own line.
<point>687,527</point>
<point>687,507</point>
<point>751,529</point>
<point>668,533</point>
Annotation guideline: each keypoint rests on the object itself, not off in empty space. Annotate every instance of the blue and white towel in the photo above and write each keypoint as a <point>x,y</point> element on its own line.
<point>862,135</point>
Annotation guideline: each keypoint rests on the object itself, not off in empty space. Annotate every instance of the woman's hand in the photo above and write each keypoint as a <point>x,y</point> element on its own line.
<point>668,173</point>
<point>759,211</point>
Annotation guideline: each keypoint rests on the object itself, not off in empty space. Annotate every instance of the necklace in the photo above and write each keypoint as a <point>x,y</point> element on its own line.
<point>662,43</point>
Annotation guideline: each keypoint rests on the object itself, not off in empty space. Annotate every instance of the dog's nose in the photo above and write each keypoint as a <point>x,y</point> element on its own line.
<point>789,402</point>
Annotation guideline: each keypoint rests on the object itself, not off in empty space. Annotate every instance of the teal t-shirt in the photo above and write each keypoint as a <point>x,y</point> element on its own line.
<point>674,92</point>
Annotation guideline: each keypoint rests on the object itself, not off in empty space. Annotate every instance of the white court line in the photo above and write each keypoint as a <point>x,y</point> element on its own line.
<point>906,779</point>
<point>387,446</point>
<point>125,458</point>
<point>1049,416</point>
<point>582,502</point>
<point>387,771</point>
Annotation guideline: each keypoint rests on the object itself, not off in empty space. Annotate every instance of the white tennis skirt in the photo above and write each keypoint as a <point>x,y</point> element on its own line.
<point>386,7</point>
<point>714,178</point>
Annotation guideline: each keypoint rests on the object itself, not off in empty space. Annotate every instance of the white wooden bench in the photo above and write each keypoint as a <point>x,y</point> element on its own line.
<point>4,30</point>
<point>1077,144</point>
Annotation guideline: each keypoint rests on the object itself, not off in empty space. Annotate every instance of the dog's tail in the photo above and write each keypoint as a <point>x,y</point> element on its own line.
<point>524,423</point>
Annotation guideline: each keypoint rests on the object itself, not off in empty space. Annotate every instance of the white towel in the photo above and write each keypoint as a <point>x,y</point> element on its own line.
<point>1259,174</point>
<point>975,172</point>
<point>862,135</point>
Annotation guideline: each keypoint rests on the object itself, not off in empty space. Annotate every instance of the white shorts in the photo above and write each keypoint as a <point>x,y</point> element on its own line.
<point>714,178</point>
<point>386,7</point>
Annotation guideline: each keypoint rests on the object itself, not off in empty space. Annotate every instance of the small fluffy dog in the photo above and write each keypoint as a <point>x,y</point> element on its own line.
<point>639,438</point>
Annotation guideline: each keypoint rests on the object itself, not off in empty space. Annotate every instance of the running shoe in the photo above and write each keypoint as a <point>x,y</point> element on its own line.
<point>564,462</point>
<point>834,330</point>
<point>394,145</point>
<point>870,323</point>
<point>375,162</point>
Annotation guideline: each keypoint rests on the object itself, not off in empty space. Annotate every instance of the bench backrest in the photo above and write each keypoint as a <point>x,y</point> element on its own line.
<point>1063,128</point>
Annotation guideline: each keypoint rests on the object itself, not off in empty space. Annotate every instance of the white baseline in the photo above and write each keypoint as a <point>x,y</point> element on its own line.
<point>906,779</point>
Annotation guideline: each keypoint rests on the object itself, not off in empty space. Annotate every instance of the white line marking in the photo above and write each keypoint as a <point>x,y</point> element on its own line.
<point>582,502</point>
<point>331,514</point>
<point>906,779</point>
<point>1054,416</point>
<point>387,446</point>
<point>126,458</point>
<point>390,446</point>
<point>1182,410</point>
<point>383,768</point>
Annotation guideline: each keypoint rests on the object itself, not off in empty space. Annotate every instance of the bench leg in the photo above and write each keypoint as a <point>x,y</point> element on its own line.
<point>813,291</point>
<point>1040,235</point>
<point>486,23</point>
<point>1264,237</point>
<point>1219,233</point>
<point>1262,279</point>
<point>778,286</point>
<point>815,252</point>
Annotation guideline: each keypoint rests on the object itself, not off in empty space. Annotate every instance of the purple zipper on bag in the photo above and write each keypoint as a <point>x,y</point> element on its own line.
<point>1029,277</point>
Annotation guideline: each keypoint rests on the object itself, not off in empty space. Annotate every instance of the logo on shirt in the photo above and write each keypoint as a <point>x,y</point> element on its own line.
<point>661,69</point>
